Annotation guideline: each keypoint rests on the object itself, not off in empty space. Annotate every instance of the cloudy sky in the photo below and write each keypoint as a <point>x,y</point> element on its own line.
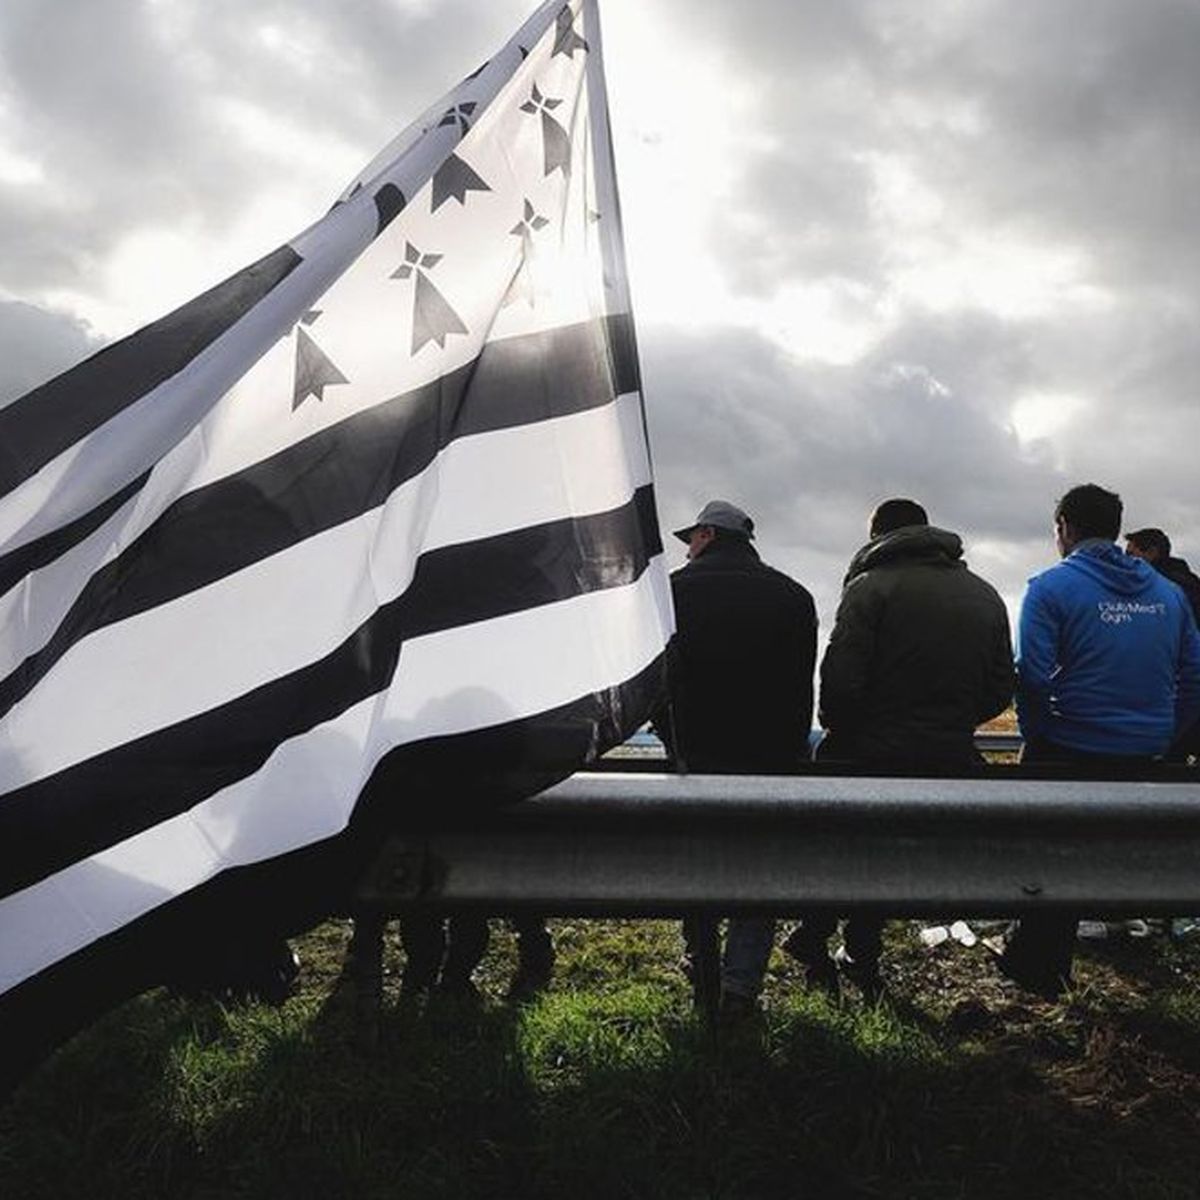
<point>938,248</point>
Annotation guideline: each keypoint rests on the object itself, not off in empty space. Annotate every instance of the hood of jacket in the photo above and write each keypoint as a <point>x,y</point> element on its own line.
<point>909,544</point>
<point>1110,566</point>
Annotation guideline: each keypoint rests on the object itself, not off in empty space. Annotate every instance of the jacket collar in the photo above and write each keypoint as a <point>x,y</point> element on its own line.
<point>725,553</point>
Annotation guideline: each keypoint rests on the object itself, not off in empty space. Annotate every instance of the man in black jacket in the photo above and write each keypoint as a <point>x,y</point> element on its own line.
<point>741,683</point>
<point>920,655</point>
<point>1155,547</point>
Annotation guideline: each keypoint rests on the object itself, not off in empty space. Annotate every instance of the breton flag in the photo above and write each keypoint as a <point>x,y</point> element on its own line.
<point>377,509</point>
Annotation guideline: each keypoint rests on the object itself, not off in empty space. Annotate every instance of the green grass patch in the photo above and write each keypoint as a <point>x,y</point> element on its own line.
<point>609,1086</point>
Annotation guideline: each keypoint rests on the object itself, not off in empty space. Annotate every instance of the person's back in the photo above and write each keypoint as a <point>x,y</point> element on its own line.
<point>740,678</point>
<point>1180,574</point>
<point>742,662</point>
<point>1154,546</point>
<point>1108,675</point>
<point>920,654</point>
<point>1102,638</point>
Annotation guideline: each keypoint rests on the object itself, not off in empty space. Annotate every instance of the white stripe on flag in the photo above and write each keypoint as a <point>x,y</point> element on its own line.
<point>458,680</point>
<point>32,611</point>
<point>192,654</point>
<point>139,436</point>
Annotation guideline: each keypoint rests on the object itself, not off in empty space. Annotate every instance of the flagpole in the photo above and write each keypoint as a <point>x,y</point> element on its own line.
<point>612,238</point>
<point>612,243</point>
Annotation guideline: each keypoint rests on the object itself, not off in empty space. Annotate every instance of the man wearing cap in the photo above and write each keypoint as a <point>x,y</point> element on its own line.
<point>741,684</point>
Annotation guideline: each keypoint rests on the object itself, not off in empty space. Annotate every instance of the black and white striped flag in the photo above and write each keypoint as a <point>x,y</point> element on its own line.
<point>376,508</point>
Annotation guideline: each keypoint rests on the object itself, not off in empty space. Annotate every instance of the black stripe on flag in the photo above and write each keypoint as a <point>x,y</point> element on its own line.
<point>338,474</point>
<point>18,563</point>
<point>53,822</point>
<point>459,775</point>
<point>43,423</point>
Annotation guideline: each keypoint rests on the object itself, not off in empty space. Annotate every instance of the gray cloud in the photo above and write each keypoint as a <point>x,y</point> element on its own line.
<point>35,345</point>
<point>124,108</point>
<point>810,449</point>
<point>1070,125</point>
<point>815,447</point>
<point>1089,111</point>
<point>1072,121</point>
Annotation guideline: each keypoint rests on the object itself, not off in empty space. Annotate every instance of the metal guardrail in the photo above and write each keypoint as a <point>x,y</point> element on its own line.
<point>998,743</point>
<point>644,747</point>
<point>653,844</point>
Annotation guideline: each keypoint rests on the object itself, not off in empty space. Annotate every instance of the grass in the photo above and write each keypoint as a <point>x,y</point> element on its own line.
<point>609,1087</point>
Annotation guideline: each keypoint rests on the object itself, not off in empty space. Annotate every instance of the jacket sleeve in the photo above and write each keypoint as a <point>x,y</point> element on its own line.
<point>846,667</point>
<point>660,719</point>
<point>1037,657</point>
<point>1187,692</point>
<point>808,658</point>
<point>998,685</point>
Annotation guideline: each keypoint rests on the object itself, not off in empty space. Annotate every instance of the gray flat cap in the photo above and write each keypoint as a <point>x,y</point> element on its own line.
<point>720,514</point>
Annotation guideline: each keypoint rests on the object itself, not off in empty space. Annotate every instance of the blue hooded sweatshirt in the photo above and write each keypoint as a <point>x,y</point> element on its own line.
<point>1108,658</point>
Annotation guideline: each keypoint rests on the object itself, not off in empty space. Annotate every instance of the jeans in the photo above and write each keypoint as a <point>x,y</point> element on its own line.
<point>748,942</point>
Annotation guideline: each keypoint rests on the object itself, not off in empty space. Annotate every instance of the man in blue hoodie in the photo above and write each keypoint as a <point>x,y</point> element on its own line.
<point>1108,673</point>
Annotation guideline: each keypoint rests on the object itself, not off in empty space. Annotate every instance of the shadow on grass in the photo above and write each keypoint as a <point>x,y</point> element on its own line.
<point>614,1092</point>
<point>824,1102</point>
<point>94,1120</point>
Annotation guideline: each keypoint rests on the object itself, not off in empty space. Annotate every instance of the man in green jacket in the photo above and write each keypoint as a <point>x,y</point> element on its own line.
<point>920,656</point>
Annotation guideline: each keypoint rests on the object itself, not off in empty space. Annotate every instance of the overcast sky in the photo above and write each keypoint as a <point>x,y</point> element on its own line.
<point>937,248</point>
